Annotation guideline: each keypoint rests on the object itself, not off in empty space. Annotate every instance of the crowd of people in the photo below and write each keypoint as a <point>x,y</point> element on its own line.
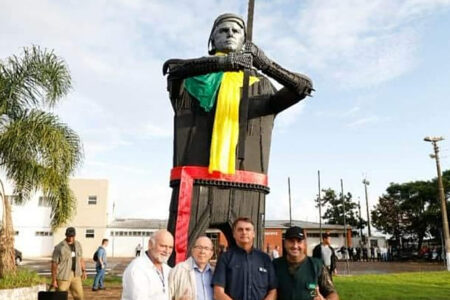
<point>365,253</point>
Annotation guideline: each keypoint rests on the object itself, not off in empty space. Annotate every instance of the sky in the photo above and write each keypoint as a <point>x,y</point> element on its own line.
<point>381,71</point>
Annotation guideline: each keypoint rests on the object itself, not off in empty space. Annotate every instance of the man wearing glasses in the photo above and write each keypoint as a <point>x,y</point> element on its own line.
<point>191,279</point>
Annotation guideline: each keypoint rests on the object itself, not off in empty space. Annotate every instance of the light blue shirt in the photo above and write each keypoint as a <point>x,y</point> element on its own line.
<point>101,254</point>
<point>203,282</point>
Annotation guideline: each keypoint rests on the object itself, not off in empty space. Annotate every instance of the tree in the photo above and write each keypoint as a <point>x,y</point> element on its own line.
<point>334,213</point>
<point>37,151</point>
<point>387,214</point>
<point>410,210</point>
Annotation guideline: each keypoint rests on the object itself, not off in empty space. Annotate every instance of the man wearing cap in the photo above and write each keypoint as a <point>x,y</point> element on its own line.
<point>68,267</point>
<point>326,253</point>
<point>243,272</point>
<point>301,277</point>
<point>212,128</point>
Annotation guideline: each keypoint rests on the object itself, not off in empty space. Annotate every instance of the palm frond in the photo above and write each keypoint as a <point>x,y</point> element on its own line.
<point>37,77</point>
<point>39,151</point>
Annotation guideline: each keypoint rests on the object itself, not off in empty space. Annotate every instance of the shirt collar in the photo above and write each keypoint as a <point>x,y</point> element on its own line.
<point>196,267</point>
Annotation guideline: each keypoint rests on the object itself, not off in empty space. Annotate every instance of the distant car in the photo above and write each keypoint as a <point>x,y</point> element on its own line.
<point>17,256</point>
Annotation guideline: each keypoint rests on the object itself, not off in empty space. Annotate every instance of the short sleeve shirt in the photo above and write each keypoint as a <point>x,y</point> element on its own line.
<point>101,253</point>
<point>245,276</point>
<point>63,257</point>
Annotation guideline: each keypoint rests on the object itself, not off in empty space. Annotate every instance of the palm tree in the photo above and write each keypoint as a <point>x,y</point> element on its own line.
<point>37,151</point>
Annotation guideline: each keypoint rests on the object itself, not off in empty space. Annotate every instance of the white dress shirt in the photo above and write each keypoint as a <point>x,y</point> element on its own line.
<point>143,281</point>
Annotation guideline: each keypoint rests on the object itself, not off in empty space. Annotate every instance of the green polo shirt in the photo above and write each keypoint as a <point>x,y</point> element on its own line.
<point>62,256</point>
<point>299,285</point>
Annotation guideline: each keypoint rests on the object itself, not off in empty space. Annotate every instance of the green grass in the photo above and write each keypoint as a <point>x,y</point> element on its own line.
<point>411,286</point>
<point>110,281</point>
<point>22,278</point>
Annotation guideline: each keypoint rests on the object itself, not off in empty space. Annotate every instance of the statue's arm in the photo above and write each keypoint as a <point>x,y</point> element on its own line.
<point>184,68</point>
<point>296,86</point>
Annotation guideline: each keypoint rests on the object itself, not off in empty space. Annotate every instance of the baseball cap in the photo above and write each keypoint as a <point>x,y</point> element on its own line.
<point>70,231</point>
<point>295,232</point>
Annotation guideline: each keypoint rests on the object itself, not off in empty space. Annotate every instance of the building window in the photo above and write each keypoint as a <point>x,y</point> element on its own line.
<point>90,234</point>
<point>92,200</point>
<point>44,201</point>
<point>44,233</point>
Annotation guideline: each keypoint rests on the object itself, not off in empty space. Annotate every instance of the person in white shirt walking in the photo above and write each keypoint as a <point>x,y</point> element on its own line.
<point>146,277</point>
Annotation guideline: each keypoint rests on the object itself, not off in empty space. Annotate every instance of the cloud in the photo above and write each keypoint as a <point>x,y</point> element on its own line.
<point>351,43</point>
<point>363,121</point>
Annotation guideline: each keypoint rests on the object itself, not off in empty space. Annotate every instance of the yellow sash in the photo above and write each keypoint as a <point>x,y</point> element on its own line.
<point>226,123</point>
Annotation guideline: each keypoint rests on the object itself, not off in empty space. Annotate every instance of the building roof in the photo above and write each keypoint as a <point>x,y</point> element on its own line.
<point>284,224</point>
<point>138,223</point>
<point>159,224</point>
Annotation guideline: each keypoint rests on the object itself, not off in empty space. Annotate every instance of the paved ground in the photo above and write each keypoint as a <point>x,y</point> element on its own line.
<point>118,265</point>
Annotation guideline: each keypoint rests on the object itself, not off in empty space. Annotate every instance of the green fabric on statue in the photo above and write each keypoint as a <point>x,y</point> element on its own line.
<point>204,88</point>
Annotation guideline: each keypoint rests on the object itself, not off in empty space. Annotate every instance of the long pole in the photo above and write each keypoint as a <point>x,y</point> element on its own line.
<point>366,183</point>
<point>290,204</point>
<point>243,106</point>
<point>442,197</point>
<point>320,205</point>
<point>360,218</point>
<point>345,227</point>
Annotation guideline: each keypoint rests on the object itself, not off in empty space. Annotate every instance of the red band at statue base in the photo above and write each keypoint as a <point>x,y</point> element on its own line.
<point>187,175</point>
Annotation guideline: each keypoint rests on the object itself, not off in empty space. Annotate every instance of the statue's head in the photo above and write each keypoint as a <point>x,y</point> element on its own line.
<point>227,34</point>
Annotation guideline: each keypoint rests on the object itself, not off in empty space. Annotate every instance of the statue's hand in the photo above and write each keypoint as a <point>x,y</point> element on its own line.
<point>240,60</point>
<point>260,60</point>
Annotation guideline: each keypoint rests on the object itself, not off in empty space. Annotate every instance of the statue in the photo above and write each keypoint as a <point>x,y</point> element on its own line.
<point>222,142</point>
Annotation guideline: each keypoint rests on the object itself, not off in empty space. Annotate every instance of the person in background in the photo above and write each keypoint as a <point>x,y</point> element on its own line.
<point>100,267</point>
<point>326,253</point>
<point>191,279</point>
<point>275,252</point>
<point>146,277</point>
<point>138,250</point>
<point>68,266</point>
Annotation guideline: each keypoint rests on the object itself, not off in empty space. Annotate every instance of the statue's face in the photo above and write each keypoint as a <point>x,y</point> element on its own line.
<point>228,37</point>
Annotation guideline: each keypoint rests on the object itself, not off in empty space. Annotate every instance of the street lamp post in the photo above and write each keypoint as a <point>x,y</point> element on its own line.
<point>366,183</point>
<point>434,141</point>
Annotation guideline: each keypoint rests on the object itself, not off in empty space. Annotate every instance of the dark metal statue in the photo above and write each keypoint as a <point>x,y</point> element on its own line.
<point>213,184</point>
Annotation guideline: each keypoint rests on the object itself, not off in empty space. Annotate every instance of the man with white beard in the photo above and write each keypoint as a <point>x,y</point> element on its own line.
<point>146,277</point>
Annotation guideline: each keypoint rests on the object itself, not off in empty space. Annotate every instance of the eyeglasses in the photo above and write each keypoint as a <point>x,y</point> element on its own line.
<point>203,248</point>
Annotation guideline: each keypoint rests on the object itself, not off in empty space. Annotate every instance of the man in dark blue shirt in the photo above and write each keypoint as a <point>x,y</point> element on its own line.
<point>243,272</point>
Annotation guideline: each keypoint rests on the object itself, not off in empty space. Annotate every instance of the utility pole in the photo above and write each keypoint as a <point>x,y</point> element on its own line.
<point>320,206</point>
<point>366,183</point>
<point>345,227</point>
<point>290,205</point>
<point>360,218</point>
<point>434,141</point>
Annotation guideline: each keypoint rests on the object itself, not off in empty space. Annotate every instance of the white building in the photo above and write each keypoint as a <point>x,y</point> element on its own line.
<point>33,233</point>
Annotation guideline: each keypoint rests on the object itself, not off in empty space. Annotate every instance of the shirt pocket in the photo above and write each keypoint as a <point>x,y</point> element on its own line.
<point>262,276</point>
